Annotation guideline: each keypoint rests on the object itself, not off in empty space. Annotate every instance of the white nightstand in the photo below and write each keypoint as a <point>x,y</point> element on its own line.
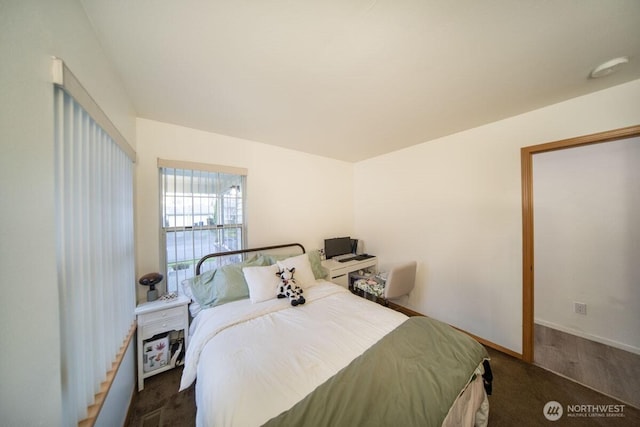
<point>339,271</point>
<point>154,318</point>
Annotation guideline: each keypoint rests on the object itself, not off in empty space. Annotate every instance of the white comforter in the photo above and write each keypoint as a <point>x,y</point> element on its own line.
<point>254,361</point>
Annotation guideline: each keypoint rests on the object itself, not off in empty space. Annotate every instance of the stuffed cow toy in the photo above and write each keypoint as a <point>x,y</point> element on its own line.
<point>289,288</point>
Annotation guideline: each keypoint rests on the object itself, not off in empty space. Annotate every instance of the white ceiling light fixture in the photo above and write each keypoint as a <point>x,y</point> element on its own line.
<point>608,67</point>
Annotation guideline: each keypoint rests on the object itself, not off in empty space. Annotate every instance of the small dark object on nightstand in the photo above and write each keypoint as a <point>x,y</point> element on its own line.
<point>151,280</point>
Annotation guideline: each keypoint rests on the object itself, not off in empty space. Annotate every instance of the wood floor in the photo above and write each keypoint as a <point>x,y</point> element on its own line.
<point>606,369</point>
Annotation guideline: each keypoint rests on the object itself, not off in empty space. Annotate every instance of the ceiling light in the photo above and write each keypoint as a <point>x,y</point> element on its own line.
<point>608,67</point>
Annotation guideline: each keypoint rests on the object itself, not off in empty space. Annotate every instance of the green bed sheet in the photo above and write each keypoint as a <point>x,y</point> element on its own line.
<point>411,377</point>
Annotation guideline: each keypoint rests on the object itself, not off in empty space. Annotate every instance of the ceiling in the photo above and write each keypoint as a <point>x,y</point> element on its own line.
<point>353,79</point>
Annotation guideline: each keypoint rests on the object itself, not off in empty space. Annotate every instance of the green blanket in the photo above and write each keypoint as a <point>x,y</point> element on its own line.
<point>411,377</point>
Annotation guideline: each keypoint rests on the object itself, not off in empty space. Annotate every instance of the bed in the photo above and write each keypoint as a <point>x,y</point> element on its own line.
<point>336,360</point>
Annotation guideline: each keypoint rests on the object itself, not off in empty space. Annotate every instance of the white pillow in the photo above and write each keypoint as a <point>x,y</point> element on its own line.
<point>303,274</point>
<point>263,282</point>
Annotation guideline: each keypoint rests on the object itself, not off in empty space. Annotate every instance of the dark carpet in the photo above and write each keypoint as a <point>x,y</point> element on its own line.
<point>161,405</point>
<point>520,392</point>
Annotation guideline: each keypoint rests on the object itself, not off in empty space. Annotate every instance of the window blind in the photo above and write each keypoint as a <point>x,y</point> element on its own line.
<point>95,254</point>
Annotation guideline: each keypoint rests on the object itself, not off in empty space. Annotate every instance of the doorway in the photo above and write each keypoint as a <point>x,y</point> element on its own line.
<point>526,155</point>
<point>586,247</point>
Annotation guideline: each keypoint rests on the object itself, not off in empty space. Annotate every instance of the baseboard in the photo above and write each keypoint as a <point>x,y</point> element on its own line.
<point>492,345</point>
<point>404,310</point>
<point>409,312</point>
<point>587,336</point>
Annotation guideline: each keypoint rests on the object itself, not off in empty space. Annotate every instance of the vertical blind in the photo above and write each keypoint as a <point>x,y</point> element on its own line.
<point>95,252</point>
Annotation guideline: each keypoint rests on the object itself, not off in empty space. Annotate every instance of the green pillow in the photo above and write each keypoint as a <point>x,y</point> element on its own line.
<point>316,265</point>
<point>272,259</point>
<point>224,284</point>
<point>319,271</point>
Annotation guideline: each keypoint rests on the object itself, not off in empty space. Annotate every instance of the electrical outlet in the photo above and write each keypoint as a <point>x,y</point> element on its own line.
<point>580,307</point>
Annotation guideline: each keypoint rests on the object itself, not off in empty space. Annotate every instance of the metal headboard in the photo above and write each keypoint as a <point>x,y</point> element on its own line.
<point>244,251</point>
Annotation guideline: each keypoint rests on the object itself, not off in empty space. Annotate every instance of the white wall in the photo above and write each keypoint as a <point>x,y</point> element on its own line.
<point>31,32</point>
<point>115,409</point>
<point>587,241</point>
<point>291,196</point>
<point>454,205</point>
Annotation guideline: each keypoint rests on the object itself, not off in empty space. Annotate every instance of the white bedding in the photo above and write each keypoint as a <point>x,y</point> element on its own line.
<point>236,351</point>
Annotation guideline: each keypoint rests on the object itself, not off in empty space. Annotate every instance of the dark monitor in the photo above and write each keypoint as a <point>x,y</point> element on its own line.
<point>337,246</point>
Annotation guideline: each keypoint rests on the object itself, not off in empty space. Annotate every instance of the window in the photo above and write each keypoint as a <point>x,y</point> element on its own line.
<point>202,211</point>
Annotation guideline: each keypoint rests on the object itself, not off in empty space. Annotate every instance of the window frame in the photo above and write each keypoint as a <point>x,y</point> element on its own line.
<point>219,226</point>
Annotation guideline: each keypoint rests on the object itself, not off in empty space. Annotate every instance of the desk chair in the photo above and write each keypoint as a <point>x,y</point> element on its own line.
<point>400,281</point>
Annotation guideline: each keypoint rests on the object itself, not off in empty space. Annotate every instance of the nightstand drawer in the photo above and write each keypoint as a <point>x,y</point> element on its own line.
<point>155,316</point>
<point>164,325</point>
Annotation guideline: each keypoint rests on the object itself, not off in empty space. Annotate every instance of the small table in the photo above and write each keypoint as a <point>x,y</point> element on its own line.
<point>156,318</point>
<point>339,272</point>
